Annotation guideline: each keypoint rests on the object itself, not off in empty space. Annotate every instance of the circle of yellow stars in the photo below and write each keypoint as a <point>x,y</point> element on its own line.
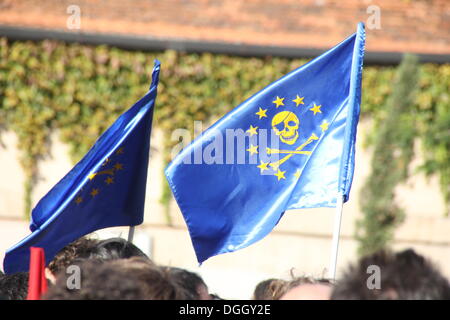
<point>262,113</point>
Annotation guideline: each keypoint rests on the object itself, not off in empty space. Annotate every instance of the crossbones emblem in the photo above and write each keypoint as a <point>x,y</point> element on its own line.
<point>286,125</point>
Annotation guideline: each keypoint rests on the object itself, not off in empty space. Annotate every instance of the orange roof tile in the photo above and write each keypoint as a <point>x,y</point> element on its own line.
<point>406,25</point>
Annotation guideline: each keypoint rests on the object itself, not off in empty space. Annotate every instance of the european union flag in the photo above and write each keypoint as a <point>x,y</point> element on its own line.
<point>105,189</point>
<point>312,112</point>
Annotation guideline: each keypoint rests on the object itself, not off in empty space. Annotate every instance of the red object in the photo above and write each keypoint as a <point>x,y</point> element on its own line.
<point>37,283</point>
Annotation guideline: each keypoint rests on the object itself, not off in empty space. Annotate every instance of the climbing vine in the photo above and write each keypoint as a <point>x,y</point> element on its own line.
<point>80,90</point>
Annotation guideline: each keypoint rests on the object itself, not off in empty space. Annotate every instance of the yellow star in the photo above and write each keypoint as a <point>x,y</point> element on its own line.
<point>261,113</point>
<point>118,166</point>
<point>119,151</point>
<point>297,173</point>
<point>263,166</point>
<point>280,174</point>
<point>109,180</point>
<point>316,109</point>
<point>79,200</point>
<point>253,149</point>
<point>278,101</point>
<point>94,192</point>
<point>252,130</point>
<point>324,126</point>
<point>298,101</point>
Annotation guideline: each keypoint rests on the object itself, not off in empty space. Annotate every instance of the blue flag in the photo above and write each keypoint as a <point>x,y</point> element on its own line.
<point>233,191</point>
<point>105,189</point>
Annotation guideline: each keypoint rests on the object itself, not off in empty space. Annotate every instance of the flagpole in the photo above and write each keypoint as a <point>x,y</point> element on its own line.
<point>131,234</point>
<point>336,232</point>
<point>347,160</point>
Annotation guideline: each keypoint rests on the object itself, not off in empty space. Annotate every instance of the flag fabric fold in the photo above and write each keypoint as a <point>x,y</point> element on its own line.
<point>105,189</point>
<point>297,151</point>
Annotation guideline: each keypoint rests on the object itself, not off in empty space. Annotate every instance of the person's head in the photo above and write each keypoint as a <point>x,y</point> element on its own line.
<point>158,282</point>
<point>86,248</point>
<point>14,286</point>
<point>388,276</point>
<point>113,249</point>
<point>98,280</point>
<point>80,248</point>
<point>192,283</point>
<point>270,289</point>
<point>121,279</point>
<point>307,288</point>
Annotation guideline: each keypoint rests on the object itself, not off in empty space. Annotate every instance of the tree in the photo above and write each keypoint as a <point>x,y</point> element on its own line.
<point>393,150</point>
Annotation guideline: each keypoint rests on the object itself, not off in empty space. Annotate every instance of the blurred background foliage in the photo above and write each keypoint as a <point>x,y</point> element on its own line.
<point>80,90</point>
<point>393,152</point>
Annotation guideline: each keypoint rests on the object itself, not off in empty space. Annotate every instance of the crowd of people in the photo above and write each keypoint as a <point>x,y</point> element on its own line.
<point>115,269</point>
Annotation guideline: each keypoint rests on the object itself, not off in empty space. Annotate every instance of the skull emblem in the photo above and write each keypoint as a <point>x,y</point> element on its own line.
<point>285,124</point>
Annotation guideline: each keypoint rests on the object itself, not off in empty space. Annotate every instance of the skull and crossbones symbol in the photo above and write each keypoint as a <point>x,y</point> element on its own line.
<point>286,126</point>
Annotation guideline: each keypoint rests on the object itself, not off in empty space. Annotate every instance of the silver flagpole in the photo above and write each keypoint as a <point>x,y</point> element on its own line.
<point>131,234</point>
<point>336,232</point>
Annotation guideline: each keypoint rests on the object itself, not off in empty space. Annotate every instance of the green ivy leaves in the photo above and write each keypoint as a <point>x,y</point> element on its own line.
<point>80,90</point>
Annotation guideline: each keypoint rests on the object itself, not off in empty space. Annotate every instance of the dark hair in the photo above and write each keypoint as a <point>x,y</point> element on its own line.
<point>122,279</point>
<point>158,282</point>
<point>14,286</point>
<point>80,248</point>
<point>98,281</point>
<point>403,276</point>
<point>115,248</point>
<point>86,248</point>
<point>189,281</point>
